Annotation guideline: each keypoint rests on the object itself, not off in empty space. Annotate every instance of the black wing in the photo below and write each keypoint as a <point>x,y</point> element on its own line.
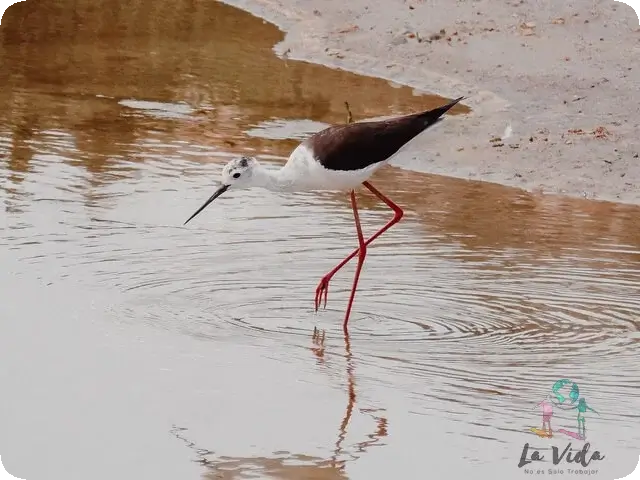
<point>358,145</point>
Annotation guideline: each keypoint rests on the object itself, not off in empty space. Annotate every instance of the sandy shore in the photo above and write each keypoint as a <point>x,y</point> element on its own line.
<point>561,79</point>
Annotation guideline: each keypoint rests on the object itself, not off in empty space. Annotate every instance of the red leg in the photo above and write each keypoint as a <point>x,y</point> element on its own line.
<point>323,287</point>
<point>362,253</point>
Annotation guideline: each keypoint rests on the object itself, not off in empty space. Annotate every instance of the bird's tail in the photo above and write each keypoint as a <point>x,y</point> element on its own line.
<point>430,117</point>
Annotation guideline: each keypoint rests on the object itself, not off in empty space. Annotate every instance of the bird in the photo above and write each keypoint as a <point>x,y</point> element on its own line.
<point>340,158</point>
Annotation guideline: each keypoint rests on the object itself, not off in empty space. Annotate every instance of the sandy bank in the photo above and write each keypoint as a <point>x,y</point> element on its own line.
<point>563,75</point>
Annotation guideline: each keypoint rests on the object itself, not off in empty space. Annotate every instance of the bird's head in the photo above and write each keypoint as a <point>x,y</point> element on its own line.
<point>238,173</point>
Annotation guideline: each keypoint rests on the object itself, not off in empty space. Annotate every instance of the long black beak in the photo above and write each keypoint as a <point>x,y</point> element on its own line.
<point>220,191</point>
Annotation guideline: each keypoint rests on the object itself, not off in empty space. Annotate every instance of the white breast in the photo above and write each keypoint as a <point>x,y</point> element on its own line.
<point>304,172</point>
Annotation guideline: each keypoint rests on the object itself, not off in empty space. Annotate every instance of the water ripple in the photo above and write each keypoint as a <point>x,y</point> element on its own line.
<point>458,317</point>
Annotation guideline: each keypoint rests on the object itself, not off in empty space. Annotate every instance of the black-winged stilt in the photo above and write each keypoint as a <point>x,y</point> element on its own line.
<point>340,157</point>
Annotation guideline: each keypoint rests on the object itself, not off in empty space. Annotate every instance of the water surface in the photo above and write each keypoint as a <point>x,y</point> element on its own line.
<point>133,346</point>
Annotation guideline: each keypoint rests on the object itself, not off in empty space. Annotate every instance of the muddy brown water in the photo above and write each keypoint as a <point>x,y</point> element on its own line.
<point>134,347</point>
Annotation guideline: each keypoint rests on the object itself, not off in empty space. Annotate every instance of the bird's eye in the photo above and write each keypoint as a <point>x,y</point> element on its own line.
<point>236,175</point>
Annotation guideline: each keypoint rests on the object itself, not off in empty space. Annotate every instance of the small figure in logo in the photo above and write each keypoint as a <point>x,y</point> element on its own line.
<point>582,409</point>
<point>547,413</point>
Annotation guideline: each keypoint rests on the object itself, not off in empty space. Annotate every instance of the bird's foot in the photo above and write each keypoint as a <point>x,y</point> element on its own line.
<point>322,290</point>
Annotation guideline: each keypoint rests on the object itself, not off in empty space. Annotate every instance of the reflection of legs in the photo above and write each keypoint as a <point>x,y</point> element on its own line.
<point>351,390</point>
<point>377,435</point>
<point>381,422</point>
<point>318,340</point>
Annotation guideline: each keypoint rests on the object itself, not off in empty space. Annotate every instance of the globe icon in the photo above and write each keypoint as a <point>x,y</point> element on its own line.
<point>564,393</point>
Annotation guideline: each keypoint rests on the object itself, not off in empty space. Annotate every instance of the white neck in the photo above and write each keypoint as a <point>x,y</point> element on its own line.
<point>275,180</point>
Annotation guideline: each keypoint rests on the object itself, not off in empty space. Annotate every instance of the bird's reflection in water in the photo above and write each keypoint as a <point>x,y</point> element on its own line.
<point>381,422</point>
<point>318,344</point>
<point>295,466</point>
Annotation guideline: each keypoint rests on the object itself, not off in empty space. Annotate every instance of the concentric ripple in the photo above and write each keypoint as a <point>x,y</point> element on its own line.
<point>245,267</point>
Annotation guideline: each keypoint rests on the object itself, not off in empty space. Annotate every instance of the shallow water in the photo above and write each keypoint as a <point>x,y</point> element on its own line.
<point>135,347</point>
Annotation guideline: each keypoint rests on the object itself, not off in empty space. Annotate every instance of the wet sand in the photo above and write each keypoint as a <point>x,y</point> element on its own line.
<point>561,75</point>
<point>133,347</point>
